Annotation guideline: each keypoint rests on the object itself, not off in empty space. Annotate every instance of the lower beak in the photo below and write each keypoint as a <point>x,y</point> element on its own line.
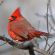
<point>10,18</point>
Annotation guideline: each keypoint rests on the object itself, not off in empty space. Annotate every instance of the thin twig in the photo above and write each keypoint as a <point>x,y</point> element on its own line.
<point>51,12</point>
<point>48,21</point>
<point>46,43</point>
<point>51,46</point>
<point>52,53</point>
<point>41,51</point>
<point>47,26</point>
<point>53,49</point>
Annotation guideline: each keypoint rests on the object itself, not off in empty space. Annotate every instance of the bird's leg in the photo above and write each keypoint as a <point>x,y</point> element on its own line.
<point>31,50</point>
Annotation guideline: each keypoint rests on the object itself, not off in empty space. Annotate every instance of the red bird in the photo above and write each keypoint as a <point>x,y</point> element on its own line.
<point>20,29</point>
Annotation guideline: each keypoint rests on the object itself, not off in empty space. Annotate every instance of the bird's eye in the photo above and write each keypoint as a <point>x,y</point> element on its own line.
<point>13,17</point>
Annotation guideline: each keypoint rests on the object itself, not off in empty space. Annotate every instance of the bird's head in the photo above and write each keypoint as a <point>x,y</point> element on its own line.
<point>15,15</point>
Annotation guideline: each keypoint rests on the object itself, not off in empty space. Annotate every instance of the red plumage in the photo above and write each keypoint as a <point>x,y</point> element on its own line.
<point>20,29</point>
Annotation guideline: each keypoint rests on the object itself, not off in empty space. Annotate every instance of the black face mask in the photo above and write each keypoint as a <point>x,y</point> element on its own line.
<point>13,17</point>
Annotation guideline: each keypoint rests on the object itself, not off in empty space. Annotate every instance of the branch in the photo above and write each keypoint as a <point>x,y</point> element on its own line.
<point>47,26</point>
<point>12,43</point>
<point>41,51</point>
<point>52,52</point>
<point>46,43</point>
<point>51,46</point>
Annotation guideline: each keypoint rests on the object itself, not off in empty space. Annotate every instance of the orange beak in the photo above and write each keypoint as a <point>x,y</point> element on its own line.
<point>10,18</point>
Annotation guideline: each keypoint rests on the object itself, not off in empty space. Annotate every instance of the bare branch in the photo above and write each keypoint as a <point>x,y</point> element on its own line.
<point>46,43</point>
<point>52,52</point>
<point>12,43</point>
<point>47,26</point>
<point>51,46</point>
<point>41,51</point>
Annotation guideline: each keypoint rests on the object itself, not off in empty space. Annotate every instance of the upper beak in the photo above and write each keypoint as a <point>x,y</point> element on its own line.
<point>10,18</point>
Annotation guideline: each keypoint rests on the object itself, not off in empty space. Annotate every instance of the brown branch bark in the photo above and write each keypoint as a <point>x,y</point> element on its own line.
<point>20,46</point>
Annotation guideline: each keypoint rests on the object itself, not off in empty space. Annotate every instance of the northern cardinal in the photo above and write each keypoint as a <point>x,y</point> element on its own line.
<point>20,29</point>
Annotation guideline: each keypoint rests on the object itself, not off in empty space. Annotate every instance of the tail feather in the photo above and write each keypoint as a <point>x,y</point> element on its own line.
<point>39,33</point>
